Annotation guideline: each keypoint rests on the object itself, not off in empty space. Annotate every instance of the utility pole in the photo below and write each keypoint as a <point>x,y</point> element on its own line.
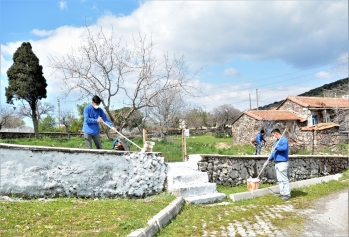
<point>249,96</point>
<point>257,97</point>
<point>59,113</point>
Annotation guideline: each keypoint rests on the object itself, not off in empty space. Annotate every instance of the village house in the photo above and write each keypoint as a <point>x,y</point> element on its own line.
<point>318,109</point>
<point>251,122</point>
<point>308,122</point>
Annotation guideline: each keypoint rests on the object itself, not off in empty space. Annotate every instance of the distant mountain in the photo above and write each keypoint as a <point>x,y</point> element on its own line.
<point>340,85</point>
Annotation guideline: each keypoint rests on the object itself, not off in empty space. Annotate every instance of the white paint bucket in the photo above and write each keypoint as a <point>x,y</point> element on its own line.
<point>252,184</point>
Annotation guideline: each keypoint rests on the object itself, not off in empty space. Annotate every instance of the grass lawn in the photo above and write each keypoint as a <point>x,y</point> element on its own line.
<point>78,217</point>
<point>171,149</point>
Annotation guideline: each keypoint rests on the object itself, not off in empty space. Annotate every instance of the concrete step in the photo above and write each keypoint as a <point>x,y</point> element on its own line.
<point>176,180</point>
<point>205,198</point>
<point>182,167</point>
<point>194,190</point>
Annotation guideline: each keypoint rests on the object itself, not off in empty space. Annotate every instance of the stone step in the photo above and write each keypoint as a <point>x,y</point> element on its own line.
<point>176,180</point>
<point>182,167</point>
<point>205,198</point>
<point>194,190</point>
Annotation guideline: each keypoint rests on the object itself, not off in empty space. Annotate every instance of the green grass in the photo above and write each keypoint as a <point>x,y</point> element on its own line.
<point>79,217</point>
<point>172,148</point>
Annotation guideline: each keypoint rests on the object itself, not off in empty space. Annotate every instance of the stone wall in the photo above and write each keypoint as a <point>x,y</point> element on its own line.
<point>44,171</point>
<point>14,135</point>
<point>235,170</point>
<point>317,139</point>
<point>297,109</point>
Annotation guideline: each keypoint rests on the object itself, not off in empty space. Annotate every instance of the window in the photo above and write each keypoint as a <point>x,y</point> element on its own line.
<point>315,119</point>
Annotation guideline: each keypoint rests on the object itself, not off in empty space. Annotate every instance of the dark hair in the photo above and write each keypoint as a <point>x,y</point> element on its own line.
<point>276,130</point>
<point>96,99</point>
<point>262,131</point>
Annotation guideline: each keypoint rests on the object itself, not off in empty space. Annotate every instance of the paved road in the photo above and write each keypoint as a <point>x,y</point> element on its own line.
<point>330,216</point>
<point>327,217</point>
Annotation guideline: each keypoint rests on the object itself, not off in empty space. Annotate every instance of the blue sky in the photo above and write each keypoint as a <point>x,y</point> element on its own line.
<point>279,48</point>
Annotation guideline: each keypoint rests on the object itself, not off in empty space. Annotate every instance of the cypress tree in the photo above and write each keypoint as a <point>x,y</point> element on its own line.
<point>26,81</point>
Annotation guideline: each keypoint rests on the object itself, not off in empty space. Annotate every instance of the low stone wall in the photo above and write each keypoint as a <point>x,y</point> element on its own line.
<point>14,135</point>
<point>235,170</point>
<point>44,171</point>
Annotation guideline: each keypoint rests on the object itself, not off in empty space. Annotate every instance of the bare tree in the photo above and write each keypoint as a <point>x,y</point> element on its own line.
<point>42,108</point>
<point>195,117</point>
<point>67,119</point>
<point>9,118</point>
<point>225,114</point>
<point>103,66</point>
<point>167,108</point>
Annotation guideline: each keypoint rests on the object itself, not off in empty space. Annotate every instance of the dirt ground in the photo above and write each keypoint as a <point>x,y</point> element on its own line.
<point>221,145</point>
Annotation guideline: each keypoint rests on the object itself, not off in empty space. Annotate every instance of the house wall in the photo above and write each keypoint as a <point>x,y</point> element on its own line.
<point>296,108</point>
<point>246,128</point>
<point>235,170</point>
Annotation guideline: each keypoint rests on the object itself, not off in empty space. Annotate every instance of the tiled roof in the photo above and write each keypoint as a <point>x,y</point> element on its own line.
<point>320,126</point>
<point>273,115</point>
<point>318,102</point>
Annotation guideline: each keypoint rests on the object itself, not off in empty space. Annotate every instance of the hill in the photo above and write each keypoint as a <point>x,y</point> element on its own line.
<point>339,87</point>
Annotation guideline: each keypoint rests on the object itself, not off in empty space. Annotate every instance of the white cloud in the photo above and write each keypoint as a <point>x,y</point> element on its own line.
<point>322,74</point>
<point>210,32</point>
<point>217,31</point>
<point>63,5</point>
<point>42,33</point>
<point>231,72</point>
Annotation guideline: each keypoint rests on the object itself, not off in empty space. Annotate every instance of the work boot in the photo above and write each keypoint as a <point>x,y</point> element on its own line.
<point>286,197</point>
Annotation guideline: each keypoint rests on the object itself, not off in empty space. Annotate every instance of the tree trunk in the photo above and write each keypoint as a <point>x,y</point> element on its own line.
<point>36,126</point>
<point>35,119</point>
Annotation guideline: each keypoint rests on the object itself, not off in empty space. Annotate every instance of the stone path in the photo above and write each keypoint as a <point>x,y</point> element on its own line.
<point>259,224</point>
<point>328,217</point>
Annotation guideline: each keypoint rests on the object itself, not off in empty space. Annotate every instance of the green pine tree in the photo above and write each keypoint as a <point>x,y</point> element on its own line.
<point>26,81</point>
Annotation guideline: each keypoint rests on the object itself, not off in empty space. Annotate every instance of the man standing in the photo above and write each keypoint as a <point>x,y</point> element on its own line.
<point>259,142</point>
<point>93,115</point>
<point>280,157</point>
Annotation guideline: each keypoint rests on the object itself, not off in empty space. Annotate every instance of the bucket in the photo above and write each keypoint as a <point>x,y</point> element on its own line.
<point>252,184</point>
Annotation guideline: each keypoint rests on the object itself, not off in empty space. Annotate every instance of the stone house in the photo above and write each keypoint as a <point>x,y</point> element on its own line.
<point>250,122</point>
<point>318,109</point>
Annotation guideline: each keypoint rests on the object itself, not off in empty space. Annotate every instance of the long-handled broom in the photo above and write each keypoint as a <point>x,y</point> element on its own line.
<point>264,165</point>
<point>142,149</point>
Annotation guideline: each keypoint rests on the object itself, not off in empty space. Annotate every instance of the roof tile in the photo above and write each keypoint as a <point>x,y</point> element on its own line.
<point>273,115</point>
<point>319,102</point>
<point>320,126</point>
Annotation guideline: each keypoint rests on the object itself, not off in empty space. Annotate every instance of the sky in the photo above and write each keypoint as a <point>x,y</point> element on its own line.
<point>242,49</point>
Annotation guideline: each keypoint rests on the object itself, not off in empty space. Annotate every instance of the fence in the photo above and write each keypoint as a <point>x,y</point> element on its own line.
<point>170,141</point>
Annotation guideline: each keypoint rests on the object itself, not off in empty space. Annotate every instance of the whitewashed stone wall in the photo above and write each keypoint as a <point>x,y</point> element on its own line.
<point>235,170</point>
<point>44,171</point>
